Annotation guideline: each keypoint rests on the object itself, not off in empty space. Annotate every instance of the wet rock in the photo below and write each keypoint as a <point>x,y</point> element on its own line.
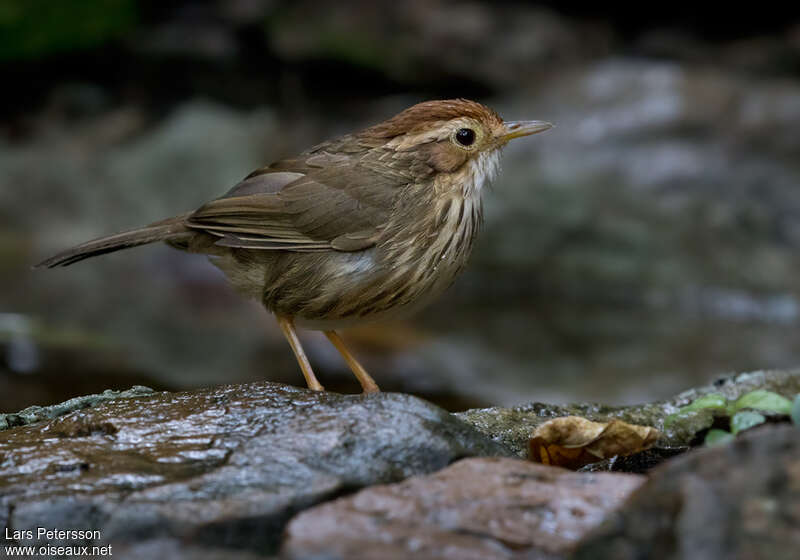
<point>513,426</point>
<point>34,414</point>
<point>476,508</point>
<point>224,466</point>
<point>737,501</point>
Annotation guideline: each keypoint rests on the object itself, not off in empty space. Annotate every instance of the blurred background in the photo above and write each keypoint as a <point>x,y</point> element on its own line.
<point>647,244</point>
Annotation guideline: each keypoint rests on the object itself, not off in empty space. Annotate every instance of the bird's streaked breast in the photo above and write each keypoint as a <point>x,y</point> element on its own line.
<point>417,259</point>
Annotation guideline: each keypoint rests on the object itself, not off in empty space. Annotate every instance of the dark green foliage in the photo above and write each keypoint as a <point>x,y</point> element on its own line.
<point>36,28</point>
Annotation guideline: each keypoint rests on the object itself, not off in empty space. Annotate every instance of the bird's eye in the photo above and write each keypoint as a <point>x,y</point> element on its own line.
<point>465,136</point>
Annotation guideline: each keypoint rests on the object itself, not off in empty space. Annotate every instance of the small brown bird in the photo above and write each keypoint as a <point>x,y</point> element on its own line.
<point>370,225</point>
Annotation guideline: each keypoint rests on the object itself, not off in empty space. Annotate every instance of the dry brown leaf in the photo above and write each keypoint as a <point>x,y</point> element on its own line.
<point>573,442</point>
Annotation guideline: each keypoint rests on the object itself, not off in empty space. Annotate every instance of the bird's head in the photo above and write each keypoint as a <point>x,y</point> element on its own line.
<point>452,136</point>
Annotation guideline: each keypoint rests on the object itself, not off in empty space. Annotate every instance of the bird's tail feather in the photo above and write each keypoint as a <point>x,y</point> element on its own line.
<point>171,229</point>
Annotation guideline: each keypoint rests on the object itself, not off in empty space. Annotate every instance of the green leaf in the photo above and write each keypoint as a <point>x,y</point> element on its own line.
<point>711,400</point>
<point>746,419</point>
<point>763,400</point>
<point>718,437</point>
<point>796,411</point>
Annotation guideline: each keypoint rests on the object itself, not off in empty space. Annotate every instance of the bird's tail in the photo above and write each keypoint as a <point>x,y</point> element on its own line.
<point>171,229</point>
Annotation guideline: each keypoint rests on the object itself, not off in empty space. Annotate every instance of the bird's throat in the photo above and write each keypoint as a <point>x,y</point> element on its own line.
<point>480,171</point>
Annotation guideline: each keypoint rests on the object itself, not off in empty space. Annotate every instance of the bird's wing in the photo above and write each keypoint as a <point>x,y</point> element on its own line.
<point>320,201</point>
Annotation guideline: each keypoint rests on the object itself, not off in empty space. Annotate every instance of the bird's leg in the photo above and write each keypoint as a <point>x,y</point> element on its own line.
<point>367,383</point>
<point>287,326</point>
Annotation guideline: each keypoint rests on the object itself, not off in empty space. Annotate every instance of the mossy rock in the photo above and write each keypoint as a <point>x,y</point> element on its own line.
<point>513,426</point>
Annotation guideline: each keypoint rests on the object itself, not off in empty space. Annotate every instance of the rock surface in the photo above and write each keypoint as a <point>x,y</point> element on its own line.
<point>475,509</point>
<point>223,467</point>
<point>738,501</point>
<point>218,473</point>
<point>34,414</point>
<point>512,426</point>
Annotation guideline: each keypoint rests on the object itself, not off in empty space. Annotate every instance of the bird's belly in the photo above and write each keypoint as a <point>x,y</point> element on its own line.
<point>373,305</point>
<point>366,288</point>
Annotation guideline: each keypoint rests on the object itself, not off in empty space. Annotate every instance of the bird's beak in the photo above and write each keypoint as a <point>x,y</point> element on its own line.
<point>515,129</point>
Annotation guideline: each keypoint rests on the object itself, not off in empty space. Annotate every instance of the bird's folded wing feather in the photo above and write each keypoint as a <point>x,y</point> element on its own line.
<point>313,203</point>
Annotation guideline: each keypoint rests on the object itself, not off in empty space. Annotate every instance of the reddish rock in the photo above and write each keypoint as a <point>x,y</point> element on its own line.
<point>476,508</point>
